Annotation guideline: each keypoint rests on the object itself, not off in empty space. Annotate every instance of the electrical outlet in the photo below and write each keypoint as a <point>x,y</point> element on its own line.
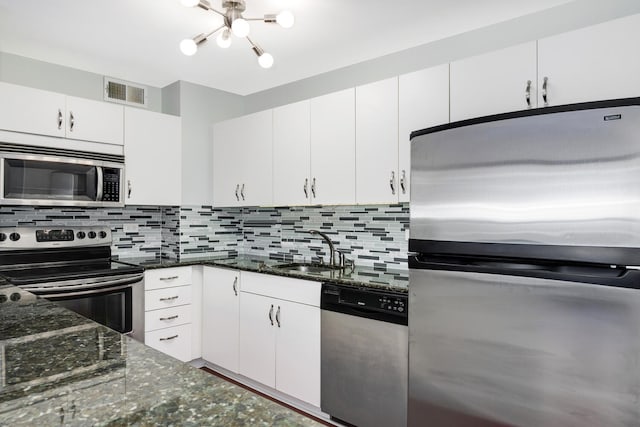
<point>130,228</point>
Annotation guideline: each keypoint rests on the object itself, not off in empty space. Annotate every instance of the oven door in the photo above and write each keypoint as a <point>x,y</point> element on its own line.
<point>34,179</point>
<point>116,302</point>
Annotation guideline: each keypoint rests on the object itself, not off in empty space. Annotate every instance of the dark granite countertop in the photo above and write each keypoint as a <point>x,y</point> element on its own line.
<point>362,277</point>
<point>59,368</point>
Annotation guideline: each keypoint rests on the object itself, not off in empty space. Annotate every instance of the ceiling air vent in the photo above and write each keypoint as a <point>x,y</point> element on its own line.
<point>124,92</point>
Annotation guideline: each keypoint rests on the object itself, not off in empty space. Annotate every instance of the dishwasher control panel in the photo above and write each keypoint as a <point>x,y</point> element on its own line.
<point>364,302</point>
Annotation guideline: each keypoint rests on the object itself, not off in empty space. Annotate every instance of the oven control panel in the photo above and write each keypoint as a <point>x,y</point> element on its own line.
<point>24,238</point>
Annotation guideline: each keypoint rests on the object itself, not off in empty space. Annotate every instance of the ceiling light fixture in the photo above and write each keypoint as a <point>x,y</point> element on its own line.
<point>236,24</point>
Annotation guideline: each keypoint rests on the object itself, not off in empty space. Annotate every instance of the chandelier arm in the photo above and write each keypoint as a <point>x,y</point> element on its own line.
<point>257,19</point>
<point>204,4</point>
<point>207,35</point>
<point>256,49</point>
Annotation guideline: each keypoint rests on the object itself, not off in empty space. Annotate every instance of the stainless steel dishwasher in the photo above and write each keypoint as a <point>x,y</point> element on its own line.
<point>364,356</point>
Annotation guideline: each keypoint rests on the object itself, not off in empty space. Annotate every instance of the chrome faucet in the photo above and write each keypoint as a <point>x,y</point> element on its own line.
<point>332,250</point>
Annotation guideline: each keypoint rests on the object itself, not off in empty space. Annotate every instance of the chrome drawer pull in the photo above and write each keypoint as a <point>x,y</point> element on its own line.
<point>169,298</point>
<point>169,338</point>
<point>169,318</point>
<point>169,278</point>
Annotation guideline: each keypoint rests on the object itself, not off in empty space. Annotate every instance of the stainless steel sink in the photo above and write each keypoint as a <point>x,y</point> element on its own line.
<point>305,267</point>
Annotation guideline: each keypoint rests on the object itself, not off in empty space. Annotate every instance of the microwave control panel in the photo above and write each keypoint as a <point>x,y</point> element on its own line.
<point>111,185</point>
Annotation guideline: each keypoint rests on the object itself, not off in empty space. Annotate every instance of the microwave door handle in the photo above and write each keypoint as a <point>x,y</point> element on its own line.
<point>99,183</point>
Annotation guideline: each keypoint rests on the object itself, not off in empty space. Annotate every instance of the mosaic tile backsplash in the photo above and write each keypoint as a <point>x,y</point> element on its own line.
<point>372,235</point>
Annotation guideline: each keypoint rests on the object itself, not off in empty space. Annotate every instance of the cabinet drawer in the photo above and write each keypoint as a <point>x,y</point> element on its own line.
<point>285,288</point>
<point>174,341</point>
<point>167,317</point>
<point>167,277</point>
<point>169,297</point>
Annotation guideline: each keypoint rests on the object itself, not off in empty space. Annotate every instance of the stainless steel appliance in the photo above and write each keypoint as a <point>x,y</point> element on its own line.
<point>73,266</point>
<point>47,176</point>
<point>524,291</point>
<point>364,356</point>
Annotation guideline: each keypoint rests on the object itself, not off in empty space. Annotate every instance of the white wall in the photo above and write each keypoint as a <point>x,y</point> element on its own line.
<point>57,78</point>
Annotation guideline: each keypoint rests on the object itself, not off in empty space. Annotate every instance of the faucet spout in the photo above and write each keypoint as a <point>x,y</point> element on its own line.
<point>332,249</point>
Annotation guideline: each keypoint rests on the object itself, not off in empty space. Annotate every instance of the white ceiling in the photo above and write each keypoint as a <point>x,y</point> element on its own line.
<point>137,40</point>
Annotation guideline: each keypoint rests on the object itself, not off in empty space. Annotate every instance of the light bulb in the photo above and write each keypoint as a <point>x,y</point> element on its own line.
<point>265,60</point>
<point>240,27</point>
<point>190,3</point>
<point>188,47</point>
<point>224,39</point>
<point>285,19</point>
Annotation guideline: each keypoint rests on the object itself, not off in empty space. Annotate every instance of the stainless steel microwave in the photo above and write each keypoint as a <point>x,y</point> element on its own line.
<point>54,177</point>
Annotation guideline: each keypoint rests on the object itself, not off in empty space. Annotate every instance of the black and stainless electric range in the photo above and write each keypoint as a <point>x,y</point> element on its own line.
<point>73,267</point>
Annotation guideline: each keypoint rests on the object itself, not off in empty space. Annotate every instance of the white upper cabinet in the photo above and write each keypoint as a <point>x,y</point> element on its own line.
<point>493,83</point>
<point>333,148</point>
<point>242,160</point>
<point>291,155</point>
<point>590,64</point>
<point>39,112</point>
<point>28,110</point>
<point>257,153</point>
<point>89,120</point>
<point>153,158</point>
<point>377,142</point>
<point>423,102</point>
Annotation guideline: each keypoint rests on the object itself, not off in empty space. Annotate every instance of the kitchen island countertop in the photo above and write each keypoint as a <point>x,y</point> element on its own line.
<point>60,368</point>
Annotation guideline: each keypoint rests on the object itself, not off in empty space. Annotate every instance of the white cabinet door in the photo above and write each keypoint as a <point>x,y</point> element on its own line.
<point>298,351</point>
<point>227,163</point>
<point>591,64</point>
<point>152,154</point>
<point>423,102</point>
<point>494,83</point>
<point>96,121</point>
<point>221,317</point>
<point>28,110</point>
<point>256,187</point>
<point>377,142</point>
<point>257,338</point>
<point>333,148</point>
<point>291,155</point>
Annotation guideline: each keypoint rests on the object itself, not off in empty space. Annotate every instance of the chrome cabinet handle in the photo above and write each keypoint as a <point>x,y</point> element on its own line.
<point>242,192</point>
<point>306,188</point>
<point>237,189</point>
<point>59,118</point>
<point>271,315</point>
<point>72,121</point>
<point>527,93</point>
<point>278,316</point>
<point>128,189</point>
<point>402,181</point>
<point>545,83</point>
<point>172,337</point>
<point>313,188</point>
<point>235,286</point>
<point>169,278</point>
<point>392,182</point>
<point>170,317</point>
<point>169,298</point>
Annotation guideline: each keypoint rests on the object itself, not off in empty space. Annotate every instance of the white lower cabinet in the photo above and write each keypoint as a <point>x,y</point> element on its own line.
<point>280,334</point>
<point>220,317</point>
<point>168,311</point>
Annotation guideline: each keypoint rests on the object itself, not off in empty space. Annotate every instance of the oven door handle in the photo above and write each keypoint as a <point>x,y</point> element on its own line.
<point>82,285</point>
<point>87,292</point>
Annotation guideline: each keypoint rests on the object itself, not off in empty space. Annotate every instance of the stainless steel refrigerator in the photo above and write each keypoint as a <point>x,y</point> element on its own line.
<point>524,304</point>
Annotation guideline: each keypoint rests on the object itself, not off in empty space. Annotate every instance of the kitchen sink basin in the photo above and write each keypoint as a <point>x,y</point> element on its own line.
<point>305,267</point>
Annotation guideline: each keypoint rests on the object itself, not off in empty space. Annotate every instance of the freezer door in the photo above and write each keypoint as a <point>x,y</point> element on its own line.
<point>568,177</point>
<point>492,350</point>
